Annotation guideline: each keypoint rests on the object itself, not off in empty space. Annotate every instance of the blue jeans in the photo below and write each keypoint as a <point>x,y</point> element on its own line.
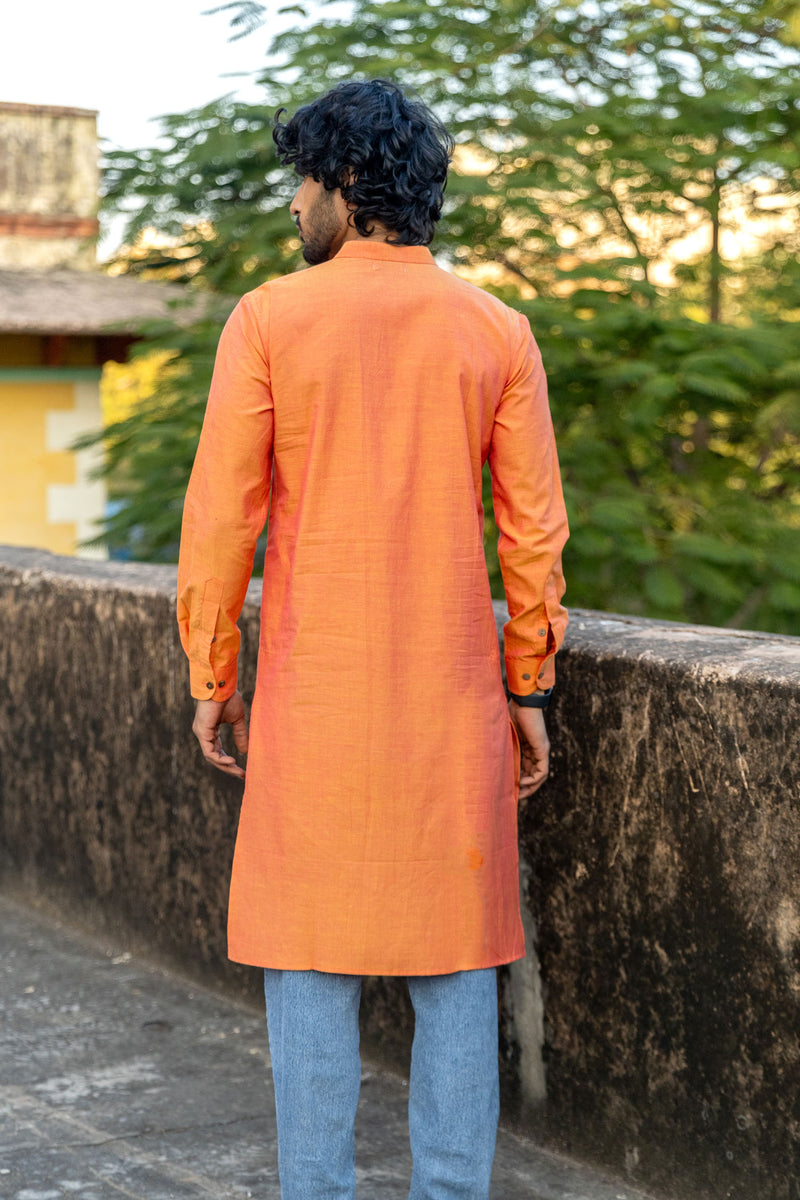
<point>453,1102</point>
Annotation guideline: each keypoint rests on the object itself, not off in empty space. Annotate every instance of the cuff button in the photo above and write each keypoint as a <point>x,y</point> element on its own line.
<point>542,632</point>
<point>526,676</point>
<point>221,683</point>
<point>210,685</point>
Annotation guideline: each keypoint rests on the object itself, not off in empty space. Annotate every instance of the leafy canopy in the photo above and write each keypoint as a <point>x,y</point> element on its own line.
<point>626,174</point>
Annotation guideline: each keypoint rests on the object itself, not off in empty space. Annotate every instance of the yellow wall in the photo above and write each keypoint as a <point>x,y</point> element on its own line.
<point>47,499</point>
<point>27,468</point>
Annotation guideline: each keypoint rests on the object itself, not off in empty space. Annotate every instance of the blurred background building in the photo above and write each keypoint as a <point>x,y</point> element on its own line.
<point>61,320</point>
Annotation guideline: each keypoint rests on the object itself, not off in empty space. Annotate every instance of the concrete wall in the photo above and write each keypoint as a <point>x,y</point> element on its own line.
<point>654,1026</point>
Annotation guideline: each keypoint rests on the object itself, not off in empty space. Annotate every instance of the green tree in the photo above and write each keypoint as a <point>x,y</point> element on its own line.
<point>680,449</point>
<point>616,130</point>
<point>215,190</point>
<point>594,141</point>
<point>149,454</point>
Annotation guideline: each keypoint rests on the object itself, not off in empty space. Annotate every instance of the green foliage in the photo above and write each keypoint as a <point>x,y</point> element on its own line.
<point>149,454</point>
<point>216,190</point>
<point>681,471</point>
<point>607,155</point>
<point>619,127</point>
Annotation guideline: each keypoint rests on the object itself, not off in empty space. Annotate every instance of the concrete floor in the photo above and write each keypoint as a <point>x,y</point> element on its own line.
<point>118,1078</point>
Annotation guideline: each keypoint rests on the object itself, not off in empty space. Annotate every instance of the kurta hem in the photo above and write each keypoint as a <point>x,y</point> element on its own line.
<point>336,967</point>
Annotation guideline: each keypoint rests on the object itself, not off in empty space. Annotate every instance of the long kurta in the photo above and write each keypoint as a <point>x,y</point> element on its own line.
<point>356,402</point>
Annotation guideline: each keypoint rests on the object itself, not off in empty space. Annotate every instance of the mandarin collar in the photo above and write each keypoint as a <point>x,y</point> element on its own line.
<point>369,249</point>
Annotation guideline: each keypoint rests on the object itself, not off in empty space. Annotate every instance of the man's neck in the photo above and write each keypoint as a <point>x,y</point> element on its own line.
<point>379,234</point>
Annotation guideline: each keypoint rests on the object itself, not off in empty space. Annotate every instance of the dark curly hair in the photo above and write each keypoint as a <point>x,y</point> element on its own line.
<point>389,155</point>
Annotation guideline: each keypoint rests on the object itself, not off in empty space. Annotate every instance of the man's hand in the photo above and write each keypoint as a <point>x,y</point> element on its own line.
<point>535,747</point>
<point>208,717</point>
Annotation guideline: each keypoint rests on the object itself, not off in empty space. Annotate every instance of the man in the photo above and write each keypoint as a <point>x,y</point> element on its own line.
<point>357,402</point>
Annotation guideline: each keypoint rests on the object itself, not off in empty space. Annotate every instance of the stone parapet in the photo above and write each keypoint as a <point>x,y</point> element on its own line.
<point>654,1025</point>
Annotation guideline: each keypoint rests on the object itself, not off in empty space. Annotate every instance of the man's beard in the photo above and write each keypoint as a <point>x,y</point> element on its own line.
<point>320,230</point>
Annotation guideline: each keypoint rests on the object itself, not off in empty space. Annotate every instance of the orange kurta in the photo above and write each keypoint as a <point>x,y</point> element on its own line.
<point>358,401</point>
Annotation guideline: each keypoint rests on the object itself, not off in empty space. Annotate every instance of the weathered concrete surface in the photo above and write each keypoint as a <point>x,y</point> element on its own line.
<point>120,1079</point>
<point>666,892</point>
<point>102,797</point>
<point>49,182</point>
<point>655,1025</point>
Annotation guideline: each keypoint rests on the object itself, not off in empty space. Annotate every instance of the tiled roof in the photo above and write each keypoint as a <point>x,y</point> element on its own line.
<point>86,302</point>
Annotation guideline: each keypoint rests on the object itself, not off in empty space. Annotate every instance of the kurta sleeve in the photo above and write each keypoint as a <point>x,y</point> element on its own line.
<point>531,520</point>
<point>226,501</point>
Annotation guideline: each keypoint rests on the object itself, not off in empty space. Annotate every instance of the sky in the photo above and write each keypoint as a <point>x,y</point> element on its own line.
<point>131,62</point>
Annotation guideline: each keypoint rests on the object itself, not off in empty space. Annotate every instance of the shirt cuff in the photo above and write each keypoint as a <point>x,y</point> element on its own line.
<point>527,675</point>
<point>218,684</point>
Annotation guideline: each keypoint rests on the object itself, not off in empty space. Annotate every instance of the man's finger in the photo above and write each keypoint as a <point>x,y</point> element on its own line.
<point>223,762</point>
<point>536,772</point>
<point>240,734</point>
<point>539,776</point>
<point>209,741</point>
<point>212,752</point>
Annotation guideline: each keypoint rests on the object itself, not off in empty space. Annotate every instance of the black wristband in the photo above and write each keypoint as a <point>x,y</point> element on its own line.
<point>535,700</point>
